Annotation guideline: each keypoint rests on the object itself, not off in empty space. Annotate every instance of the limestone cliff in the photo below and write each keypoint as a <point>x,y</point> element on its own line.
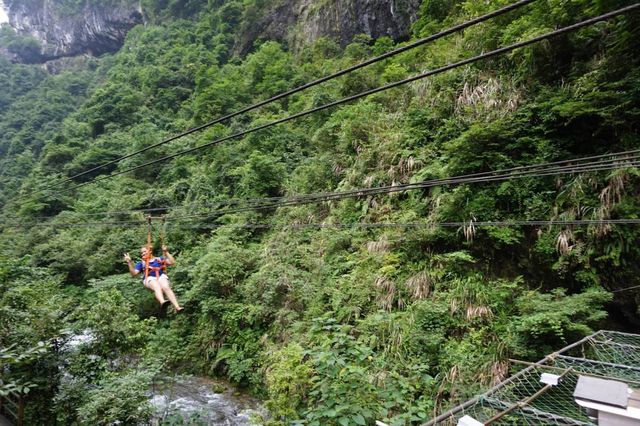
<point>92,27</point>
<point>299,22</point>
<point>54,29</point>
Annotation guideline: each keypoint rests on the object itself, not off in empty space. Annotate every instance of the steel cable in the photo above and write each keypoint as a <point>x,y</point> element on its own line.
<point>606,162</point>
<point>444,224</point>
<point>632,160</point>
<point>440,70</point>
<point>413,45</point>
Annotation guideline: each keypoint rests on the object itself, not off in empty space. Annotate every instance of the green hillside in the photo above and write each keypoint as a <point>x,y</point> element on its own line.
<point>328,321</point>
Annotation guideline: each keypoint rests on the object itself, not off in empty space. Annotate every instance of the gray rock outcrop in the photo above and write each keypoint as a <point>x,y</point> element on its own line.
<point>300,22</point>
<point>94,27</point>
<point>55,29</point>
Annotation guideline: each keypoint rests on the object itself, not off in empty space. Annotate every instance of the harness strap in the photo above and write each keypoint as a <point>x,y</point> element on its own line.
<point>148,258</point>
<point>163,262</point>
<point>156,269</point>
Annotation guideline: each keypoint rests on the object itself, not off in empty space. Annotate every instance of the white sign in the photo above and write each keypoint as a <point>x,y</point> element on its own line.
<point>550,379</point>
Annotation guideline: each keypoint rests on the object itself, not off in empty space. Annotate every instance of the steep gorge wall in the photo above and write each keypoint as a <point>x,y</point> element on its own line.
<point>300,22</point>
<point>94,28</point>
<point>66,29</point>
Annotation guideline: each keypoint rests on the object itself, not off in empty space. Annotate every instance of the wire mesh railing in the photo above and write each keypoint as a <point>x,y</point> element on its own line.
<point>526,399</point>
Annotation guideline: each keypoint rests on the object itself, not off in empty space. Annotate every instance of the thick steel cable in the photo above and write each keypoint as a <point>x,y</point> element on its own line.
<point>476,179</point>
<point>393,189</point>
<point>349,194</point>
<point>413,45</point>
<point>631,160</point>
<point>628,154</point>
<point>624,289</point>
<point>478,224</point>
<point>440,70</point>
<point>621,160</point>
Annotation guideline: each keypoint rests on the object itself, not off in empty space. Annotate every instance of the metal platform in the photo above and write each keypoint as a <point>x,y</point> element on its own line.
<point>527,399</point>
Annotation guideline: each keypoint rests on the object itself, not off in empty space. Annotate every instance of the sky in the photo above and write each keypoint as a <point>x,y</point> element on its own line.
<point>3,15</point>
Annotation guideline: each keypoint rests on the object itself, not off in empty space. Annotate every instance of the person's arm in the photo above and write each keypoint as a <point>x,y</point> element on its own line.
<point>133,271</point>
<point>165,253</point>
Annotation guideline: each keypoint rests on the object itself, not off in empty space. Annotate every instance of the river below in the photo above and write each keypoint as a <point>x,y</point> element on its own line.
<point>202,401</point>
<point>189,400</point>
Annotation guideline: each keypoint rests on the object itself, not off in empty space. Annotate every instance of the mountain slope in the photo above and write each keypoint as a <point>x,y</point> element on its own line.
<point>338,324</point>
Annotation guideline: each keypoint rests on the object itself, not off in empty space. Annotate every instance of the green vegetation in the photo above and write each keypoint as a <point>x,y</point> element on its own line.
<point>329,326</point>
<point>25,47</point>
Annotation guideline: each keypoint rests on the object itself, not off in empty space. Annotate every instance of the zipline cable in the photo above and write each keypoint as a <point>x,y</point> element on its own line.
<point>609,161</point>
<point>423,41</point>
<point>630,159</point>
<point>440,70</point>
<point>575,166</point>
<point>506,223</point>
<point>624,289</point>
<point>314,198</point>
<point>628,154</point>
<point>502,223</point>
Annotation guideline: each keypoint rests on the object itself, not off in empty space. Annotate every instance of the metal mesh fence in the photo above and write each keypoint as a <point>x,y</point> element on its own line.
<point>524,399</point>
<point>616,348</point>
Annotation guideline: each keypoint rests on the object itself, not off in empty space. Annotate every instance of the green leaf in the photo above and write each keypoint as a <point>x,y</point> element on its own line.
<point>329,413</point>
<point>358,419</point>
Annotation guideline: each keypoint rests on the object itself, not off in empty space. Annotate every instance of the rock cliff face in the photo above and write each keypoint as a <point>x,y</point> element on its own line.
<point>93,27</point>
<point>65,28</point>
<point>300,22</point>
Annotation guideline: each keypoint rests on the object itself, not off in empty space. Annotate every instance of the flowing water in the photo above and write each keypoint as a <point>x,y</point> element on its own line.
<point>203,401</point>
<point>188,400</point>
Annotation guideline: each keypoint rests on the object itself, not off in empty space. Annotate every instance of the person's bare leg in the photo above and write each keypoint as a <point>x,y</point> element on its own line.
<point>166,288</point>
<point>153,285</point>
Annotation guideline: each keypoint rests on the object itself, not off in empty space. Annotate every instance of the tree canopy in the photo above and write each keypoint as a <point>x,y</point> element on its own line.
<point>329,325</point>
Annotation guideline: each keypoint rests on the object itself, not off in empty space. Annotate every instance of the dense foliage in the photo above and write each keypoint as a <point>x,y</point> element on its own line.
<point>329,326</point>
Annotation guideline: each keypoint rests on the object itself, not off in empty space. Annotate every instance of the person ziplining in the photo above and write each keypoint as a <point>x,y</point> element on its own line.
<point>154,276</point>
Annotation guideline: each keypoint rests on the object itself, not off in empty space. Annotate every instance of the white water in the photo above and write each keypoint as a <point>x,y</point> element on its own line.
<point>3,14</point>
<point>187,398</point>
<point>77,340</point>
<point>193,396</point>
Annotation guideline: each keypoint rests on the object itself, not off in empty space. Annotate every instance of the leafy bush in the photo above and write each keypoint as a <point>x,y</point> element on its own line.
<point>121,399</point>
<point>288,380</point>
